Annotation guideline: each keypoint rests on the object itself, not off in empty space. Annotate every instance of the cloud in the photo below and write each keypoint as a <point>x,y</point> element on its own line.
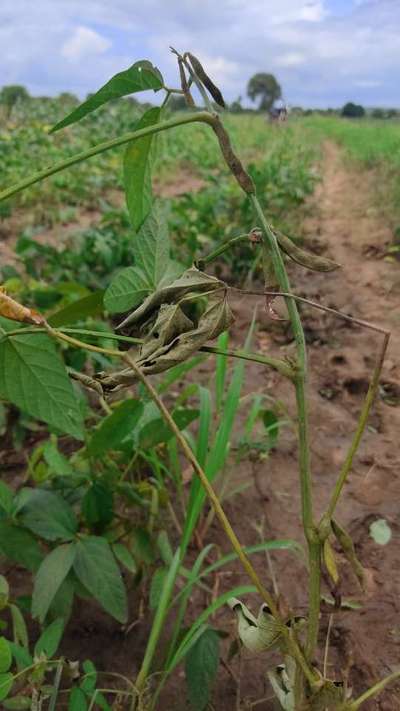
<point>291,59</point>
<point>84,43</point>
<point>322,51</point>
<point>367,83</point>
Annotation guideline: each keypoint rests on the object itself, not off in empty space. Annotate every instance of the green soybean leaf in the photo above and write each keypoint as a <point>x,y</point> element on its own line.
<point>97,505</point>
<point>49,640</point>
<point>152,248</point>
<point>51,574</point>
<point>61,605</point>
<point>271,424</point>
<point>20,632</point>
<point>58,464</point>
<point>139,77</point>
<point>18,703</point>
<point>77,700</point>
<point>125,557</point>
<point>153,266</point>
<point>33,377</point>
<point>79,310</point>
<point>6,497</point>
<point>88,683</point>
<point>115,428</point>
<point>128,288</point>
<point>97,569</point>
<point>6,682</point>
<point>201,666</point>
<point>21,656</point>
<point>157,431</point>
<point>4,592</point>
<point>20,546</point>
<point>47,514</point>
<point>138,160</point>
<point>5,655</point>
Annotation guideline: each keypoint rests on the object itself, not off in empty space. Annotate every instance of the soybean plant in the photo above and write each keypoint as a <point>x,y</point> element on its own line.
<point>156,297</point>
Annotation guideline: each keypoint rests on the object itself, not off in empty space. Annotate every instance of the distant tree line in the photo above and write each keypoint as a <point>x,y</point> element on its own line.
<point>262,89</point>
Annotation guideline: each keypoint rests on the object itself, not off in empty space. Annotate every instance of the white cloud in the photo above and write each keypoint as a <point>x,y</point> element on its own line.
<point>313,12</point>
<point>291,59</point>
<point>320,58</point>
<point>84,43</point>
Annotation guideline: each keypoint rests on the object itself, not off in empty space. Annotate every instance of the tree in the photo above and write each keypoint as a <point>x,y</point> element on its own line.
<point>266,87</point>
<point>378,114</point>
<point>177,103</point>
<point>236,106</point>
<point>67,98</point>
<point>351,110</point>
<point>9,95</point>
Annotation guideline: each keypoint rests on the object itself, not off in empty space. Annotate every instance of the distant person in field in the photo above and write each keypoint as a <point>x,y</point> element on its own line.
<point>278,112</point>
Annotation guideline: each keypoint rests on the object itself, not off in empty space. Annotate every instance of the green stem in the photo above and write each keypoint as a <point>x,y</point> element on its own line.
<point>223,248</point>
<point>279,365</point>
<point>373,691</point>
<point>200,116</point>
<point>362,423</point>
<point>310,531</point>
<point>231,535</point>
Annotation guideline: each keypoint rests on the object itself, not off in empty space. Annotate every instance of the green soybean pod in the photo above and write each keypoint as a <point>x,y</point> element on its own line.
<point>303,257</point>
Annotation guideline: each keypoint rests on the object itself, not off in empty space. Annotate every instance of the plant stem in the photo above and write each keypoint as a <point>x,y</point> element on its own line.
<point>200,116</point>
<point>362,423</point>
<point>310,531</point>
<point>266,596</point>
<point>279,365</point>
<point>373,691</point>
<point>220,250</point>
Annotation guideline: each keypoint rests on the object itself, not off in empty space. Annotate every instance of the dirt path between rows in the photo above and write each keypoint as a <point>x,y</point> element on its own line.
<point>346,226</point>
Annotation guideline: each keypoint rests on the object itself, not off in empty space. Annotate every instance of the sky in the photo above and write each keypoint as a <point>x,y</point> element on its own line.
<point>323,52</point>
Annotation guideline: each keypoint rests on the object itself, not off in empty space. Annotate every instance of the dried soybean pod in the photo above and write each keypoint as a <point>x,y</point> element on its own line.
<point>184,84</point>
<point>205,79</point>
<point>9,308</point>
<point>244,179</point>
<point>347,546</point>
<point>304,258</point>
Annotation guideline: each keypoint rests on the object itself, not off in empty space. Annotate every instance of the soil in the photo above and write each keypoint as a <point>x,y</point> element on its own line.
<point>345,225</point>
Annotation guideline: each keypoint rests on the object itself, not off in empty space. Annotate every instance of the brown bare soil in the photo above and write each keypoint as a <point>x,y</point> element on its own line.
<point>184,181</point>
